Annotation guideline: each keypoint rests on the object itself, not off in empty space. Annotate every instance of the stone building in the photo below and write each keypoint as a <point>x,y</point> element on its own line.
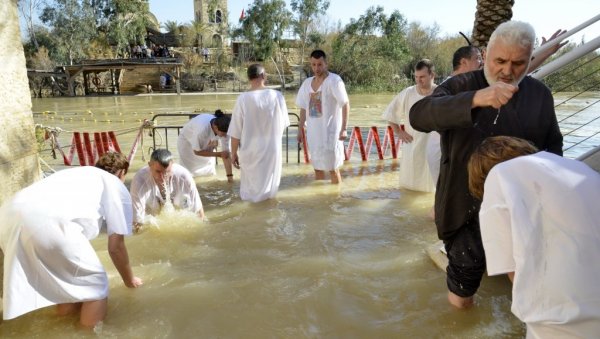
<point>212,13</point>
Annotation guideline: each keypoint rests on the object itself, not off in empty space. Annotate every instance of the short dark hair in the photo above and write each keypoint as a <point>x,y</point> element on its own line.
<point>465,52</point>
<point>425,63</point>
<point>318,54</point>
<point>162,156</point>
<point>221,120</point>
<point>255,71</point>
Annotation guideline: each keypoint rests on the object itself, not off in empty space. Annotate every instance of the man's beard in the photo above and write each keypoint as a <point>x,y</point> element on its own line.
<point>490,79</point>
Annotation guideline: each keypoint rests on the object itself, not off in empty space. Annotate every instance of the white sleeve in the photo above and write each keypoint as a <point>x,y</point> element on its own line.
<point>496,228</point>
<point>340,92</point>
<point>302,97</point>
<point>138,198</point>
<point>285,118</point>
<point>397,108</point>
<point>237,119</point>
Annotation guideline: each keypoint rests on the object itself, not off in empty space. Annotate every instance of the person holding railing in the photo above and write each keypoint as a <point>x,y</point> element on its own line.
<point>198,141</point>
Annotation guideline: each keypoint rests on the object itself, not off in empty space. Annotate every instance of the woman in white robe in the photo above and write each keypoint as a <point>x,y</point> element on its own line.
<point>198,141</point>
<point>45,233</point>
<point>259,119</point>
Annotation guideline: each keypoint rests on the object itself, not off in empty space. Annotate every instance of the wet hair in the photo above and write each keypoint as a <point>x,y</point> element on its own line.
<point>255,71</point>
<point>221,121</point>
<point>492,151</point>
<point>425,63</point>
<point>514,33</point>
<point>318,54</point>
<point>465,52</point>
<point>162,156</point>
<point>113,162</point>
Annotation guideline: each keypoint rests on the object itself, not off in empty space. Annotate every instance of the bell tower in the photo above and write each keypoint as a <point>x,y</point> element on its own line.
<point>213,14</point>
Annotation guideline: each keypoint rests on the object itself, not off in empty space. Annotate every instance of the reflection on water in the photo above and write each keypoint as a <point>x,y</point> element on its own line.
<point>319,261</point>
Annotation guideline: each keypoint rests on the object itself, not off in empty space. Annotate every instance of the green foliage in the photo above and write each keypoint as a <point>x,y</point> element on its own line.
<point>371,51</point>
<point>581,75</point>
<point>264,26</point>
<point>73,25</point>
<point>306,12</point>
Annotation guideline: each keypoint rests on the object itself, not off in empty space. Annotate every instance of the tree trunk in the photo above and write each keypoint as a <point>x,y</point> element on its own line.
<point>490,14</point>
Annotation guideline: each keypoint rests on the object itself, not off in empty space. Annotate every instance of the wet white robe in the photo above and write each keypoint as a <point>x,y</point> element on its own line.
<point>540,218</point>
<point>146,197</point>
<point>45,231</point>
<point>414,169</point>
<point>259,119</point>
<point>324,121</point>
<point>197,135</point>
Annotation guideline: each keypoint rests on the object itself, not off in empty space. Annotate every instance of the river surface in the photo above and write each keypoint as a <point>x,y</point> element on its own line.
<point>319,261</point>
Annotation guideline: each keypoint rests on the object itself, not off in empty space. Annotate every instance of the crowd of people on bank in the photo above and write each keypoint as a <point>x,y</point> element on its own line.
<point>486,140</point>
<point>152,51</point>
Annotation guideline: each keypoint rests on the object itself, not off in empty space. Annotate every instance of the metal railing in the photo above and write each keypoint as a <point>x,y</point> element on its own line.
<point>173,128</point>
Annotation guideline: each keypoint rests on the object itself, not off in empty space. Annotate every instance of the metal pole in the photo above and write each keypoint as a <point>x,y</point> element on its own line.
<point>566,59</point>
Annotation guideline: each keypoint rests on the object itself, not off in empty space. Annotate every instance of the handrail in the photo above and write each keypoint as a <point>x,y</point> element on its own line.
<point>558,39</point>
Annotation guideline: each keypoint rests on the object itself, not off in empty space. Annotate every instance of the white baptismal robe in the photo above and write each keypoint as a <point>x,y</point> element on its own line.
<point>147,199</point>
<point>197,135</point>
<point>324,121</point>
<point>414,173</point>
<point>44,234</point>
<point>540,218</point>
<point>259,119</point>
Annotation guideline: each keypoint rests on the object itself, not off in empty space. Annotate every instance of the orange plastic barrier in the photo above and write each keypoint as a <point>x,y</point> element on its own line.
<point>356,138</point>
<point>103,142</point>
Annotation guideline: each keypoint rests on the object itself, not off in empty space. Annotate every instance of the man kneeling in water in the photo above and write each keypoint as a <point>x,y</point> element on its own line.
<point>163,183</point>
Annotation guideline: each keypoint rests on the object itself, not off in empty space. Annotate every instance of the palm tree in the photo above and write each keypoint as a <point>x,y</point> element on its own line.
<point>490,14</point>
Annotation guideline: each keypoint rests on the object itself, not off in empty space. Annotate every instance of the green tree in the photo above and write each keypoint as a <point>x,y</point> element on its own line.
<point>264,25</point>
<point>369,52</point>
<point>73,24</point>
<point>307,11</point>
<point>126,23</point>
<point>194,33</point>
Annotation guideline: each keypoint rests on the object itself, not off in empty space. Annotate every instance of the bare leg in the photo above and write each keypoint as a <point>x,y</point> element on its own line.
<point>336,178</point>
<point>93,312</point>
<point>66,309</point>
<point>319,175</point>
<point>460,302</point>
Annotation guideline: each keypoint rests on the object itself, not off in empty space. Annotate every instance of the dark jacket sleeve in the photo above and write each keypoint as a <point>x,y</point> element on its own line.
<point>447,108</point>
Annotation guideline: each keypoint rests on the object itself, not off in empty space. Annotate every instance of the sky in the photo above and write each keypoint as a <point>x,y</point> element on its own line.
<point>452,16</point>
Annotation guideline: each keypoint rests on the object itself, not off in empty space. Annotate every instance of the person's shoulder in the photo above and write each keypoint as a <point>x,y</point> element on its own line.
<point>531,82</point>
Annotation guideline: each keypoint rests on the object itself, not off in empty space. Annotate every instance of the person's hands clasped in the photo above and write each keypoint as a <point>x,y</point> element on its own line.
<point>225,155</point>
<point>495,95</point>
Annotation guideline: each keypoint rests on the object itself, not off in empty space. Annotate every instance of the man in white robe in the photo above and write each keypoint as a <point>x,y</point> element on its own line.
<point>258,121</point>
<point>198,141</point>
<point>539,224</point>
<point>413,161</point>
<point>323,96</point>
<point>163,183</point>
<point>44,234</point>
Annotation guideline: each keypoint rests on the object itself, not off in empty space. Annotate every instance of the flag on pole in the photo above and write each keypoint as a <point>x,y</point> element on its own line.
<point>243,15</point>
